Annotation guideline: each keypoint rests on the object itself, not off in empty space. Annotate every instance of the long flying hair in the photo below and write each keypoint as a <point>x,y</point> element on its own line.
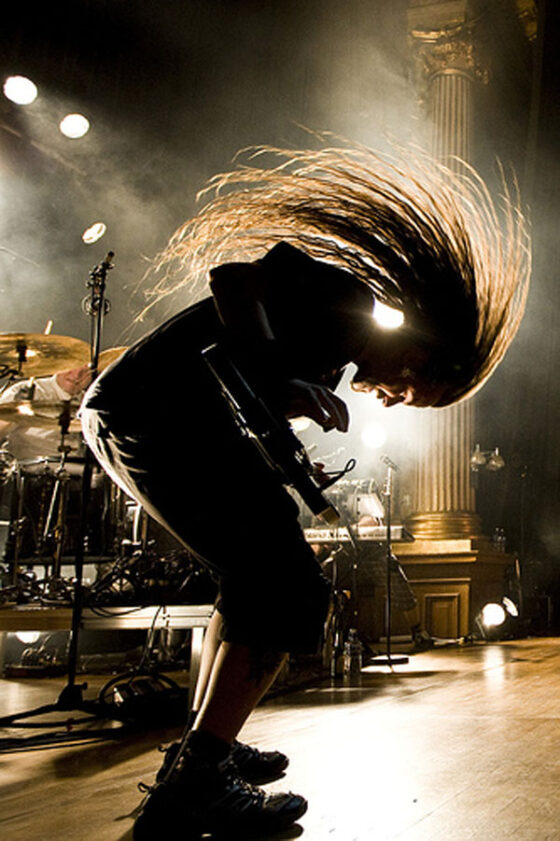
<point>428,241</point>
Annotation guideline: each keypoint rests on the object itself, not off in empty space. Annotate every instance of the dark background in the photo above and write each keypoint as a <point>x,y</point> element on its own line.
<point>174,89</point>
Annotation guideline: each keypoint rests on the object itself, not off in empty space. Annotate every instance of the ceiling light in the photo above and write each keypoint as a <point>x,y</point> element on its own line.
<point>20,89</point>
<point>74,126</point>
<point>94,232</point>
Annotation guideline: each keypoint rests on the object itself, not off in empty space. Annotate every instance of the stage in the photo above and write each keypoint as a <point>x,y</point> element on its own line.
<point>458,744</point>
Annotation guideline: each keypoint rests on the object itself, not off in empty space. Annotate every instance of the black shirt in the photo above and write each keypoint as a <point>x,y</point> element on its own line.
<point>320,315</point>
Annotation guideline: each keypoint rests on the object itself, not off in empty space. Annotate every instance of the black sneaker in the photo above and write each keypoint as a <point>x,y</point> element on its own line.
<point>201,797</point>
<point>258,766</point>
<point>253,765</point>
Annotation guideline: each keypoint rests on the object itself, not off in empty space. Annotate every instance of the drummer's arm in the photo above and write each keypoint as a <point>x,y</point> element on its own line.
<point>61,386</point>
<point>73,381</point>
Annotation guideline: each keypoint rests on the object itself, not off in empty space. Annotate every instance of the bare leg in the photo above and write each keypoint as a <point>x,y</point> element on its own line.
<point>237,683</point>
<point>212,640</point>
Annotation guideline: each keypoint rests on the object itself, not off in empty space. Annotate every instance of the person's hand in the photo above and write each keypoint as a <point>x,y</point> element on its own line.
<point>318,403</point>
<point>319,474</point>
<point>75,380</point>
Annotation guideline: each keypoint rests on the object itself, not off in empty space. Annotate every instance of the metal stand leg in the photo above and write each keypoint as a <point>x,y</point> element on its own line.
<point>389,659</point>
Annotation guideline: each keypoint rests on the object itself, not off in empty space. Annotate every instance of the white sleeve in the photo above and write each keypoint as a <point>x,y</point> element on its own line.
<point>46,388</point>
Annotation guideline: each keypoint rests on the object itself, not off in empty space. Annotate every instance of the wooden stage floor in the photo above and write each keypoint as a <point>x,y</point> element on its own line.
<point>459,744</point>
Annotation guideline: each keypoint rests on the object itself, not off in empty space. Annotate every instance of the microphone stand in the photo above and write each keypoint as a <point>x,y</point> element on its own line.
<point>95,305</point>
<point>71,698</point>
<point>388,659</point>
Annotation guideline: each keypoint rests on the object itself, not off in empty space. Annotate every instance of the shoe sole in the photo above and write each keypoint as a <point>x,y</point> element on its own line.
<point>147,827</point>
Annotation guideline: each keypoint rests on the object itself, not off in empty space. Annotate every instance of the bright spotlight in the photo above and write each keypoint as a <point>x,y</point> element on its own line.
<point>373,436</point>
<point>28,637</point>
<point>94,232</point>
<point>20,89</point>
<point>387,317</point>
<point>498,621</point>
<point>74,126</point>
<point>493,615</point>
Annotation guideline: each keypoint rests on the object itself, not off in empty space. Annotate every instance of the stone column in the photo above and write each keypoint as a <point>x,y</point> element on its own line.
<point>441,37</point>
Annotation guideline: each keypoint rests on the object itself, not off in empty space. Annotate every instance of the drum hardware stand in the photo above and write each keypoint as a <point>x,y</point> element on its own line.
<point>54,526</point>
<point>18,530</point>
<point>71,698</point>
<point>388,659</point>
<point>13,374</point>
<point>10,374</point>
<point>337,611</point>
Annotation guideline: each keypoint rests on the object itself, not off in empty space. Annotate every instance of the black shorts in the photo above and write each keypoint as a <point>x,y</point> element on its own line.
<point>193,472</point>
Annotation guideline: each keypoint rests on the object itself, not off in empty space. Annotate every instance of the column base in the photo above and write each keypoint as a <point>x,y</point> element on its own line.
<point>445,525</point>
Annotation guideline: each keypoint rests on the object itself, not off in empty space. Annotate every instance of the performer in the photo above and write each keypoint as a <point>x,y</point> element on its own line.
<point>27,441</point>
<point>297,254</point>
<point>64,385</point>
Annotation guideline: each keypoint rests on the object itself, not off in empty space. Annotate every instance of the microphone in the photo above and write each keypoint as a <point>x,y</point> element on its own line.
<point>102,268</point>
<point>386,460</point>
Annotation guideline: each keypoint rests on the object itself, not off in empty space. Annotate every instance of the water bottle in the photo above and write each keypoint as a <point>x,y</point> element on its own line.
<point>337,656</point>
<point>502,540</point>
<point>352,654</point>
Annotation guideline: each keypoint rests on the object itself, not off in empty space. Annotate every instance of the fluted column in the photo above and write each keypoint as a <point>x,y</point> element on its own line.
<point>441,35</point>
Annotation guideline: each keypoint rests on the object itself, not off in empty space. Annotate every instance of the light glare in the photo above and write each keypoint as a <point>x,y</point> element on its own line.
<point>493,615</point>
<point>20,89</point>
<point>25,409</point>
<point>74,126</point>
<point>28,637</point>
<point>94,232</point>
<point>373,436</point>
<point>387,317</point>
<point>300,424</point>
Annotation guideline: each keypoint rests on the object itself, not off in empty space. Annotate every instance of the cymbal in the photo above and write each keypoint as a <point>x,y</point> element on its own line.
<point>106,357</point>
<point>39,413</point>
<point>42,354</point>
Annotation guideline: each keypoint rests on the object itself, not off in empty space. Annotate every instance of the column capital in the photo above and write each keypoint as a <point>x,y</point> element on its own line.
<point>441,36</point>
<point>527,13</point>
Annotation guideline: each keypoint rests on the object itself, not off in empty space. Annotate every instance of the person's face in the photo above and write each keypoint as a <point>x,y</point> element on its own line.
<point>393,379</point>
<point>399,391</point>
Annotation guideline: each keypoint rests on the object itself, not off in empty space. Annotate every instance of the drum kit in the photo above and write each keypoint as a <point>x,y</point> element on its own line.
<point>41,463</point>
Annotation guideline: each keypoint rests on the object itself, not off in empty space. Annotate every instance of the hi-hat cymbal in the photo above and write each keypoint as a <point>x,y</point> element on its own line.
<point>39,413</point>
<point>40,354</point>
<point>106,357</point>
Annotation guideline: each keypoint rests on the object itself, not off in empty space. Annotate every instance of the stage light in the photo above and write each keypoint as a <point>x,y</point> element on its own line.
<point>74,126</point>
<point>498,620</point>
<point>492,615</point>
<point>94,232</point>
<point>387,317</point>
<point>28,637</point>
<point>373,436</point>
<point>20,89</point>
<point>490,459</point>
<point>510,607</point>
<point>495,461</point>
